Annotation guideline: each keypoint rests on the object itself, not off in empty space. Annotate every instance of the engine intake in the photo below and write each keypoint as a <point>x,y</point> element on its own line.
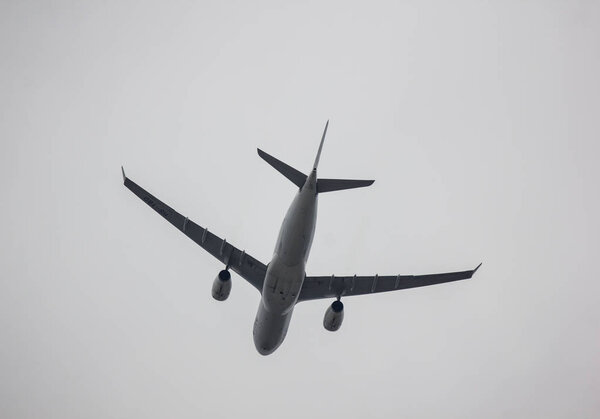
<point>334,316</point>
<point>222,286</point>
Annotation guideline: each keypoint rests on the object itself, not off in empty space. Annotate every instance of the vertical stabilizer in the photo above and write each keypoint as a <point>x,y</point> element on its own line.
<point>299,178</point>
<point>320,147</point>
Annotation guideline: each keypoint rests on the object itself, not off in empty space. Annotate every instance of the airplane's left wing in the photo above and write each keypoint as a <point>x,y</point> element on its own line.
<point>317,287</point>
<point>239,261</point>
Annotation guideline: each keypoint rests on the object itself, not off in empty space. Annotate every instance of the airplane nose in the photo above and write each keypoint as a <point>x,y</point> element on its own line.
<point>264,347</point>
<point>269,330</point>
<point>265,350</point>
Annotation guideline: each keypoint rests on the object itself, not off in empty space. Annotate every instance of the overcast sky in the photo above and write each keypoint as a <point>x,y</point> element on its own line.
<point>478,120</point>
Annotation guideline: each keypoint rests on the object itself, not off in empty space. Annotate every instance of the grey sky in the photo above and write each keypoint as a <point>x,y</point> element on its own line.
<point>479,122</point>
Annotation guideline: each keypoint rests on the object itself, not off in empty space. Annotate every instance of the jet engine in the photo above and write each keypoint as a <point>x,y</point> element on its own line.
<point>334,316</point>
<point>222,286</point>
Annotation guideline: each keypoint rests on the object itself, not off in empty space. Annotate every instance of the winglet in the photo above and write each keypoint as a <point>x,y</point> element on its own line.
<point>475,270</point>
<point>320,147</point>
<point>123,171</point>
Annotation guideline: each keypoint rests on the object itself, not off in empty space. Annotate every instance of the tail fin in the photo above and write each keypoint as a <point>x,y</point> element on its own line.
<point>329,185</point>
<point>320,147</point>
<point>297,177</point>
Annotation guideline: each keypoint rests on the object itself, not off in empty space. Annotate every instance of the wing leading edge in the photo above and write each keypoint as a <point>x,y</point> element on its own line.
<point>237,260</point>
<point>317,287</point>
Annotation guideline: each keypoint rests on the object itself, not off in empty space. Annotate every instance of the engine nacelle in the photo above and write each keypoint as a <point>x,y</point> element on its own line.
<point>334,316</point>
<point>222,286</point>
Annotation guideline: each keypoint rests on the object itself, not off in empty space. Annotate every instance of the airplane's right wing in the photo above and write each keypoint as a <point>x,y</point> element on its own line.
<point>317,287</point>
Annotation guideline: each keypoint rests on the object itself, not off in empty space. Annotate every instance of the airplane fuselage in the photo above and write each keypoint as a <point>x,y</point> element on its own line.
<point>286,272</point>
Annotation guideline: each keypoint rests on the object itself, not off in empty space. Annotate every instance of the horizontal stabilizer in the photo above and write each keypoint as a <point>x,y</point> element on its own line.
<point>297,177</point>
<point>329,185</point>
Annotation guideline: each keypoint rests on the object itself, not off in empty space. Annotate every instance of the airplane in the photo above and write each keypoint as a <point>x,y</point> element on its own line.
<point>283,282</point>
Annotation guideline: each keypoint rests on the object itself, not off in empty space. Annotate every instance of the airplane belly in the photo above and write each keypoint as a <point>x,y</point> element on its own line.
<point>297,230</point>
<point>285,274</point>
<point>270,329</point>
<point>282,286</point>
